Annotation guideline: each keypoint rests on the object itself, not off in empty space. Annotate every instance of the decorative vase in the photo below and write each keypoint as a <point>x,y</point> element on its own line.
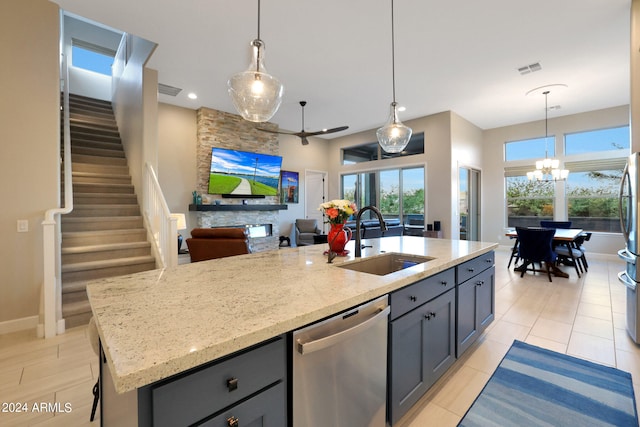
<point>338,237</point>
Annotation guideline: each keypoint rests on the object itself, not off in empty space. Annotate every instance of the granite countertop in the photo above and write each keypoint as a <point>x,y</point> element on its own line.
<point>162,322</point>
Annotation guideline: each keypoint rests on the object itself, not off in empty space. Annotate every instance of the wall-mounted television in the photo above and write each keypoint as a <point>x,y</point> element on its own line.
<point>241,173</point>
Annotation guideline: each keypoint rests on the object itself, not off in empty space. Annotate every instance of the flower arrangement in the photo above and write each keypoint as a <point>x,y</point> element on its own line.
<point>338,211</point>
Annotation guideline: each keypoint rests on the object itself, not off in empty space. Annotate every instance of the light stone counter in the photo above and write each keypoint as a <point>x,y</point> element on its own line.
<point>162,322</point>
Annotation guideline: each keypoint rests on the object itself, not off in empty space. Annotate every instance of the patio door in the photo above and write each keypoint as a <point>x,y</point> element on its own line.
<point>469,203</point>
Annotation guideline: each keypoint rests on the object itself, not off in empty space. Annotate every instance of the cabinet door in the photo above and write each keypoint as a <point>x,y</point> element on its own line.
<point>485,299</point>
<point>476,308</point>
<point>439,330</point>
<point>421,349</point>
<point>406,367</point>
<point>467,327</point>
<point>266,409</point>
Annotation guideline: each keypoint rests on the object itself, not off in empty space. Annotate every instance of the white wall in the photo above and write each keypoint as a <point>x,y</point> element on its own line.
<point>493,171</point>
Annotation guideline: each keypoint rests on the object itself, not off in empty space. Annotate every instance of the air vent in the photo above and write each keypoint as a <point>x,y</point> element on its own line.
<point>168,90</point>
<point>554,107</point>
<point>530,68</point>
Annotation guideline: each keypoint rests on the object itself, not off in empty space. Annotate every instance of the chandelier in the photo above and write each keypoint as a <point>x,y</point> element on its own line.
<point>547,169</point>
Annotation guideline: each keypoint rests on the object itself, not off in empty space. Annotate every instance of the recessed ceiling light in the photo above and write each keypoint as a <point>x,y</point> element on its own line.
<point>192,96</point>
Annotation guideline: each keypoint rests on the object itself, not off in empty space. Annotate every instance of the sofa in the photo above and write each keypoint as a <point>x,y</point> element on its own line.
<point>370,228</point>
<point>211,243</point>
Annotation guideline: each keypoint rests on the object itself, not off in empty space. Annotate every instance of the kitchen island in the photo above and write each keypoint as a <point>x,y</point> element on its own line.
<point>156,324</point>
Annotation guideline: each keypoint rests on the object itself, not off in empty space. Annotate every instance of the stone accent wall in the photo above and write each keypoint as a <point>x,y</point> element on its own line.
<point>225,130</point>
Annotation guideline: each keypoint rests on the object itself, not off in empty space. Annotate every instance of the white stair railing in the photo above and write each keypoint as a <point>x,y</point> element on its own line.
<point>163,227</point>
<point>51,295</point>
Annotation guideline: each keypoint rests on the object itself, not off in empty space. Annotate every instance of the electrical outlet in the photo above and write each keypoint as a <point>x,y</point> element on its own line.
<point>23,225</point>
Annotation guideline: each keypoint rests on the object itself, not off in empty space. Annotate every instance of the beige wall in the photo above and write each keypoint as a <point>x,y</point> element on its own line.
<point>300,158</point>
<point>29,159</point>
<point>177,171</point>
<point>443,133</point>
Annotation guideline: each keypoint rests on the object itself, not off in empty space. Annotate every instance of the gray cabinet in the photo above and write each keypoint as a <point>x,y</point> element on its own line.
<point>475,300</point>
<point>421,340</point>
<point>246,388</point>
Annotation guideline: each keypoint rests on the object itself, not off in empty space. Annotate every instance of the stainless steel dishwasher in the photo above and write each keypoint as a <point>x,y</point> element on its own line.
<point>340,369</point>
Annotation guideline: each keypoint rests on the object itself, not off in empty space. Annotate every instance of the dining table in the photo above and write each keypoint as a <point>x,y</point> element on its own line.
<point>563,236</point>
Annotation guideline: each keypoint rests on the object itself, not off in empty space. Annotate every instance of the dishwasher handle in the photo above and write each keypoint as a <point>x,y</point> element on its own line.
<point>328,341</point>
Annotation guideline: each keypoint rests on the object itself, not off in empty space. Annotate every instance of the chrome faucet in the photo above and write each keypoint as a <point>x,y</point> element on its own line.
<point>383,227</point>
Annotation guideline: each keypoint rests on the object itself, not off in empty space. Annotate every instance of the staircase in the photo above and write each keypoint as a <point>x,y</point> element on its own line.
<point>104,235</point>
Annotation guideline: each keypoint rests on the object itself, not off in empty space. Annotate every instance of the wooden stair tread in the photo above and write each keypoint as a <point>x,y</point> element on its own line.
<point>104,247</point>
<point>117,262</point>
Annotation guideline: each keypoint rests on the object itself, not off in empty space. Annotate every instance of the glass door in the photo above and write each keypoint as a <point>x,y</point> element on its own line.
<point>469,203</point>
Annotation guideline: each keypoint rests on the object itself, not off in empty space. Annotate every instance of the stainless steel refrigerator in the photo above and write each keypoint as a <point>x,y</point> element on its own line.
<point>630,224</point>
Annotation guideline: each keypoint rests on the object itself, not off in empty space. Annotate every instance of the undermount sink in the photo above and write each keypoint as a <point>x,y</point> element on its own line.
<point>387,263</point>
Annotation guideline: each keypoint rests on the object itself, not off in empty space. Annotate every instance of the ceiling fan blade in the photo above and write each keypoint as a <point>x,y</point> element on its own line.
<point>324,132</point>
<point>277,131</point>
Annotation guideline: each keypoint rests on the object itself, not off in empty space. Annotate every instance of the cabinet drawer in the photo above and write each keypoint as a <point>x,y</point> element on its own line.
<point>203,392</point>
<point>416,294</point>
<point>468,269</point>
<point>266,409</point>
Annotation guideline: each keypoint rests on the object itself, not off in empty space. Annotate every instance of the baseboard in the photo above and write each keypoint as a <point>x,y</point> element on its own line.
<point>16,325</point>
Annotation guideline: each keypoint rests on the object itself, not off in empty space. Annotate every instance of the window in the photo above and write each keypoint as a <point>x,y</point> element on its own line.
<point>592,195</point>
<point>91,57</point>
<point>535,148</point>
<point>598,140</point>
<point>528,202</point>
<point>372,151</point>
<point>400,192</point>
<point>595,160</point>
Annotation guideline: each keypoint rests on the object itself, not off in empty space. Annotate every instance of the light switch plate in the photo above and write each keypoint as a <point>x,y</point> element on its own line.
<point>23,225</point>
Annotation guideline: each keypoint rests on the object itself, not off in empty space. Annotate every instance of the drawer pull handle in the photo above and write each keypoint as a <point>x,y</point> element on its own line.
<point>471,270</point>
<point>233,421</point>
<point>489,260</point>
<point>444,283</point>
<point>413,298</point>
<point>430,315</point>
<point>232,384</point>
<point>480,283</point>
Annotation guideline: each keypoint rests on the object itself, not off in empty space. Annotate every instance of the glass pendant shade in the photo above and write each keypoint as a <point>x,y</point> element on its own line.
<point>256,94</point>
<point>393,137</point>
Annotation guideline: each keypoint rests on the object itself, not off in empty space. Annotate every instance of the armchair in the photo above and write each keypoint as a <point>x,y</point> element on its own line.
<point>306,229</point>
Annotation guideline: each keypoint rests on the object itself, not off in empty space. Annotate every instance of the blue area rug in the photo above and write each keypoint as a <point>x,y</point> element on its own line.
<point>537,387</point>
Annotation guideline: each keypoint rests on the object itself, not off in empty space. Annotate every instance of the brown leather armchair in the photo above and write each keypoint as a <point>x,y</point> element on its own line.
<point>211,243</point>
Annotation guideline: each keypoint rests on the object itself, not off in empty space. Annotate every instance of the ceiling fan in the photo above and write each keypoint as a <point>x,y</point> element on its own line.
<point>302,134</point>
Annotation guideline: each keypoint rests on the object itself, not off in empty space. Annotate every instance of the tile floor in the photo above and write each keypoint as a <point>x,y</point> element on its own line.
<point>581,317</point>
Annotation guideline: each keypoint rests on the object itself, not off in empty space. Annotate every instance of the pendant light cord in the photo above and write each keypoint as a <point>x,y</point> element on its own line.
<point>546,125</point>
<point>393,56</point>
<point>259,41</point>
<point>258,19</point>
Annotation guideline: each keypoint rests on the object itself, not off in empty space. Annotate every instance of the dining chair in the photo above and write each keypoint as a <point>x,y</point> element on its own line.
<point>535,246</point>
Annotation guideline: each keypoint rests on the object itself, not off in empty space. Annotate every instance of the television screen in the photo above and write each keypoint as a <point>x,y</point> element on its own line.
<point>243,173</point>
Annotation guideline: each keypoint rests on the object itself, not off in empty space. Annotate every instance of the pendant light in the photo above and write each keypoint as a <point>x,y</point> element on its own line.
<point>256,94</point>
<point>547,169</point>
<point>393,137</point>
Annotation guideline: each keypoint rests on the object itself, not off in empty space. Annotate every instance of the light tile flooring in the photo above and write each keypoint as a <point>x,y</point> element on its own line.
<point>582,317</point>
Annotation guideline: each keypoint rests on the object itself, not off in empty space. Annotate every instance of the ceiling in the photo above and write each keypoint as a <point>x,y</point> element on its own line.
<point>336,55</point>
